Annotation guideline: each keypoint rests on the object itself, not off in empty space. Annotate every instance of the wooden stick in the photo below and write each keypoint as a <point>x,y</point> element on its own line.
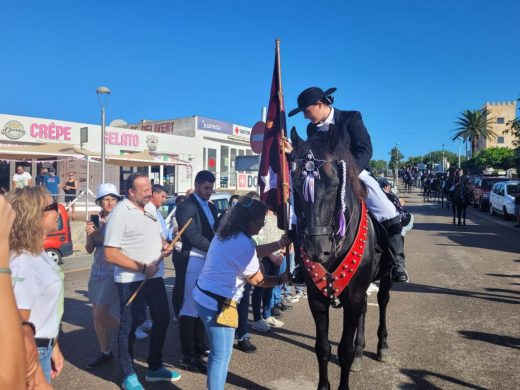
<point>170,247</point>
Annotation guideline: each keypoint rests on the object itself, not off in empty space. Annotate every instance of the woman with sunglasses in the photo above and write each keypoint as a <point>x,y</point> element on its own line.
<point>231,262</point>
<point>102,290</point>
<point>37,279</point>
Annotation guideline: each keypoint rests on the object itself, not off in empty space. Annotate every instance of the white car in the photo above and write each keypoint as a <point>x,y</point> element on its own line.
<point>502,198</point>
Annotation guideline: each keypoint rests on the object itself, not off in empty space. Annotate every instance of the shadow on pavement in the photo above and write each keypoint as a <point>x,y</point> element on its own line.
<point>421,288</point>
<point>420,380</point>
<point>504,341</point>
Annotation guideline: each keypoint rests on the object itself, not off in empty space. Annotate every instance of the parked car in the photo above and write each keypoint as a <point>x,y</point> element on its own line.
<point>502,198</point>
<point>58,244</point>
<point>481,187</point>
<point>221,201</point>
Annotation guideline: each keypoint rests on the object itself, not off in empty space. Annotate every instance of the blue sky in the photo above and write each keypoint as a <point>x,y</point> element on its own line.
<point>410,66</point>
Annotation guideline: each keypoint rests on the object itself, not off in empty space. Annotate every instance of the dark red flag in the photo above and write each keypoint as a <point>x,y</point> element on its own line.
<point>274,170</point>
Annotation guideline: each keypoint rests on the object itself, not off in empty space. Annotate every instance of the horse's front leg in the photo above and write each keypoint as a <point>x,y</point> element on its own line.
<point>359,344</point>
<point>320,313</point>
<point>351,316</point>
<point>383,297</point>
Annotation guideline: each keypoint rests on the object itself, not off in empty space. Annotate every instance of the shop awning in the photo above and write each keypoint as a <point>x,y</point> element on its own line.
<point>46,150</point>
<point>28,152</point>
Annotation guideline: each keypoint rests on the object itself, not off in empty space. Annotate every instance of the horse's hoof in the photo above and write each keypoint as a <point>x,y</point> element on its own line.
<point>356,365</point>
<point>383,355</point>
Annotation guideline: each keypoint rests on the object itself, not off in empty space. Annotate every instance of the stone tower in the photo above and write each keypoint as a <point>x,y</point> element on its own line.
<point>500,113</point>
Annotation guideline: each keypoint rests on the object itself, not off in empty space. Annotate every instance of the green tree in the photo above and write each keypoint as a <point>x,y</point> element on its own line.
<point>472,125</point>
<point>378,166</point>
<point>395,158</point>
<point>513,127</point>
<point>498,158</point>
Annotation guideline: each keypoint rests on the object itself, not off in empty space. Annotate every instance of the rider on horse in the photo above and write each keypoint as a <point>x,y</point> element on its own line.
<point>317,108</point>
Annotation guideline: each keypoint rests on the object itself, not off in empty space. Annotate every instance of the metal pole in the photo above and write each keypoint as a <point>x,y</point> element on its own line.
<point>86,191</point>
<point>103,132</point>
<point>443,157</point>
<point>459,151</point>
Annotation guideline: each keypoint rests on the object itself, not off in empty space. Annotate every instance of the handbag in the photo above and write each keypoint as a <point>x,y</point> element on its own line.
<point>227,313</point>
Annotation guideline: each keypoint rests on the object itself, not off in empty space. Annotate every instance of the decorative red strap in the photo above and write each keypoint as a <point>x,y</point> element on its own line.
<point>332,285</point>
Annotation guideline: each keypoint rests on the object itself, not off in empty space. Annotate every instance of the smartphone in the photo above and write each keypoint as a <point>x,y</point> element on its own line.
<point>95,220</point>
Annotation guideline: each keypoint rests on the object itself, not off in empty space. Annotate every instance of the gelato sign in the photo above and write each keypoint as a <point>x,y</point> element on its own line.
<point>214,125</point>
<point>13,130</point>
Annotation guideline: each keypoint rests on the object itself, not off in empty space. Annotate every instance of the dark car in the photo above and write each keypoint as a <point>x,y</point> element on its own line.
<point>481,187</point>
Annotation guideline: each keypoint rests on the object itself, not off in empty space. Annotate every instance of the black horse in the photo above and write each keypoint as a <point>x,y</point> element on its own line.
<point>339,244</point>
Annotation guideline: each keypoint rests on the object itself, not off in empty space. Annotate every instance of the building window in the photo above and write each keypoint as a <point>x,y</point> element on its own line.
<point>212,160</point>
<point>500,120</point>
<point>500,140</point>
<point>224,166</point>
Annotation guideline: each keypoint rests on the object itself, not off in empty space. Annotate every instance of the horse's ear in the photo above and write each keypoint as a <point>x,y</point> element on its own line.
<point>295,138</point>
<point>333,136</point>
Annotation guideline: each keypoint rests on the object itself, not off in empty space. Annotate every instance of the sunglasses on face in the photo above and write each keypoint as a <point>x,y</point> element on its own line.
<point>51,207</point>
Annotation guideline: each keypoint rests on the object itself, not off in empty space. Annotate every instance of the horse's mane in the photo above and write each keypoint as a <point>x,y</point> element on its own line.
<point>319,143</point>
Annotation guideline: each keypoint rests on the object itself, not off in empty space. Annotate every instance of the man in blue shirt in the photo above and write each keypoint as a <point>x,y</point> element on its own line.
<point>52,182</point>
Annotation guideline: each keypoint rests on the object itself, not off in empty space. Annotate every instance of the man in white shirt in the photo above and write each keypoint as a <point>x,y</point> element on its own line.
<point>133,243</point>
<point>21,179</point>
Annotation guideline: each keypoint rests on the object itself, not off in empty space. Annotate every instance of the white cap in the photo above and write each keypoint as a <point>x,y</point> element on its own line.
<point>107,189</point>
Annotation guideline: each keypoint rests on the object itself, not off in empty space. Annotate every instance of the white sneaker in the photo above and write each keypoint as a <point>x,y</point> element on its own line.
<point>140,335</point>
<point>146,326</point>
<point>261,326</point>
<point>273,322</point>
<point>300,295</point>
<point>288,300</point>
<point>372,288</point>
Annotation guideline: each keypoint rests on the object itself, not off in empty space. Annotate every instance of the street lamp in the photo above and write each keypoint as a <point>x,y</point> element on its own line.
<point>103,93</point>
<point>443,158</point>
<point>460,143</point>
<point>396,164</point>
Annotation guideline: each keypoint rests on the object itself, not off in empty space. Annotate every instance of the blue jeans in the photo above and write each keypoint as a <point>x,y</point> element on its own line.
<point>44,356</point>
<point>152,294</point>
<point>261,300</point>
<point>277,290</point>
<point>243,313</point>
<point>220,346</point>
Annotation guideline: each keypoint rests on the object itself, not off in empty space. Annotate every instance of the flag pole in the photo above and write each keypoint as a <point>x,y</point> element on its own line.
<point>285,184</point>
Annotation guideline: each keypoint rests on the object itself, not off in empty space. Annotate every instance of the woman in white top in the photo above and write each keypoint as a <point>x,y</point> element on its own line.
<point>231,262</point>
<point>102,291</point>
<point>37,279</point>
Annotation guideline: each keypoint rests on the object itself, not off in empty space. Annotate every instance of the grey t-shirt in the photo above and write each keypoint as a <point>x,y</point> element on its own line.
<point>138,235</point>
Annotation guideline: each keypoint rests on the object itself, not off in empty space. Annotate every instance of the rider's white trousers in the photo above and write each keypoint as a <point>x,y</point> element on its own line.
<point>377,202</point>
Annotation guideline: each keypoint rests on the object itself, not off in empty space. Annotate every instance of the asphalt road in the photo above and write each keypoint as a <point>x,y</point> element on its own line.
<point>454,326</point>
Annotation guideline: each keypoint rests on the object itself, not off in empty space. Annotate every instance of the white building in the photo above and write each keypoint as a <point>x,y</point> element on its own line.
<point>188,145</point>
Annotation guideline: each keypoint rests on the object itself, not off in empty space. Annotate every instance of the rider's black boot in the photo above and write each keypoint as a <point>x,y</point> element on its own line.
<point>396,242</point>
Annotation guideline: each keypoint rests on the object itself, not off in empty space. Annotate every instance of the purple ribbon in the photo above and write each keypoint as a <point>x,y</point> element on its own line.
<point>308,188</point>
<point>342,225</point>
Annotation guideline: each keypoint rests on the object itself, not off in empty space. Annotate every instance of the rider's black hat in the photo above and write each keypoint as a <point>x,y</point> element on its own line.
<point>310,96</point>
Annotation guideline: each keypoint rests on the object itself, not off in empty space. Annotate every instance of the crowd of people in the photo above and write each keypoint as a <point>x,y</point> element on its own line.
<point>217,263</point>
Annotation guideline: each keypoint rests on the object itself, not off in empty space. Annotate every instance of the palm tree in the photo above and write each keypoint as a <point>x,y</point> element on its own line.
<point>472,125</point>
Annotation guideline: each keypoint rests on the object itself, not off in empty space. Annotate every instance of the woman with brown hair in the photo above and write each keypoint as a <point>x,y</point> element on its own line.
<point>37,279</point>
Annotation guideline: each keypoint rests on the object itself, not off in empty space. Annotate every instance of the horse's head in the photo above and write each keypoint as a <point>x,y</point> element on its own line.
<point>325,187</point>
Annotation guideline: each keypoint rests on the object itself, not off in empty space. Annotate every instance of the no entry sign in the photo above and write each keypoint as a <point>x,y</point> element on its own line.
<point>257,137</point>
